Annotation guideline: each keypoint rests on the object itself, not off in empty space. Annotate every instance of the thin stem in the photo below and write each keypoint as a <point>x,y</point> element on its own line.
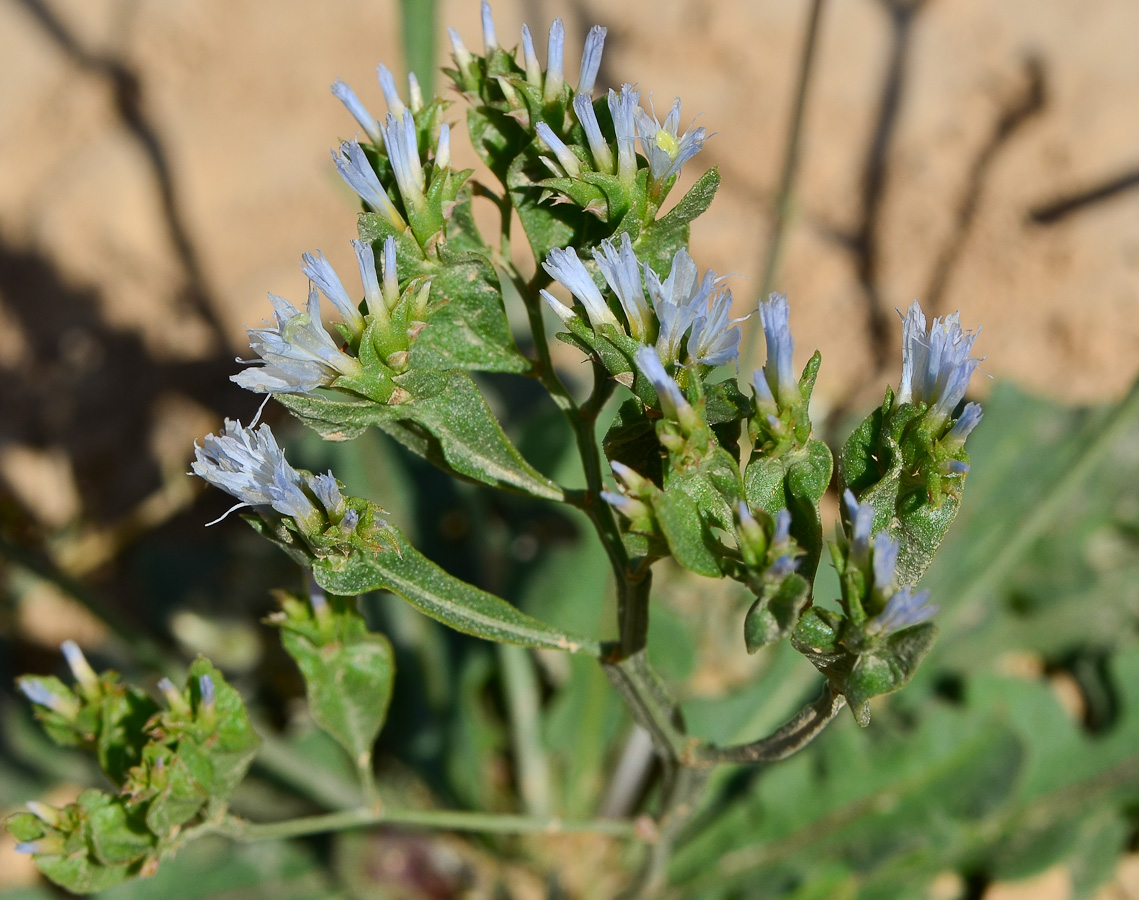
<point>633,583</point>
<point>523,700</point>
<point>447,820</point>
<point>791,154</point>
<point>651,706</point>
<point>789,739</point>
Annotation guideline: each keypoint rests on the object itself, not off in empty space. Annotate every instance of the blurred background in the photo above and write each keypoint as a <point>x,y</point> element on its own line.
<point>164,163</point>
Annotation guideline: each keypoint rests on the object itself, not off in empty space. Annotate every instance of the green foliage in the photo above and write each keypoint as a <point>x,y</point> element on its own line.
<point>348,671</point>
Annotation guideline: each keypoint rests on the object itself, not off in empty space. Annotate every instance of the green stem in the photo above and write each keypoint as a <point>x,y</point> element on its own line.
<point>633,583</point>
<point>447,820</point>
<point>789,739</point>
<point>523,700</point>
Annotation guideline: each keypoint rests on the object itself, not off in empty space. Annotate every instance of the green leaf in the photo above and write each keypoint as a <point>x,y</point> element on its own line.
<point>234,743</point>
<point>406,572</point>
<point>886,669</point>
<point>687,536</point>
<point>659,240</point>
<point>446,421</point>
<point>775,613</point>
<point>348,673</point>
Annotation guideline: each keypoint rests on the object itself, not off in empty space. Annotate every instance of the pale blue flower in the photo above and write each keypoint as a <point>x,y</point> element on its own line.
<point>463,58</point>
<point>570,272</point>
<point>530,58</point>
<point>715,337</point>
<point>79,666</point>
<point>40,695</point>
<point>320,272</point>
<point>357,172</point>
<point>677,301</point>
<point>779,371</point>
<point>569,162</point>
<point>360,113</point>
<point>627,506</point>
<point>443,147</point>
<point>402,146</point>
<point>591,59</point>
<point>489,39</point>
<point>555,52</point>
<point>860,518</point>
<point>366,261</point>
<point>248,464</point>
<point>904,610</point>
<point>598,146</point>
<point>885,561</point>
<point>391,92</point>
<point>327,491</point>
<point>666,150</point>
<point>299,355</point>
<point>969,419</point>
<point>207,691</point>
<point>414,93</point>
<point>673,403</point>
<point>623,108</point>
<point>622,271</point>
<point>936,365</point>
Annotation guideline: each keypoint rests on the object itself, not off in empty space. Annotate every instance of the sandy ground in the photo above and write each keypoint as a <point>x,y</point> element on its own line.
<point>164,163</point>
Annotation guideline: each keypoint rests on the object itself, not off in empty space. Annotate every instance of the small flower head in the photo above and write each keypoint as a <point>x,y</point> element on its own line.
<point>298,354</point>
<point>391,93</point>
<point>570,272</point>
<point>320,272</point>
<point>969,419</point>
<point>353,166</point>
<point>489,38</point>
<point>598,146</point>
<point>568,161</point>
<point>673,403</point>
<point>861,520</point>
<point>402,146</point>
<point>778,371</point>
<point>903,610</point>
<point>622,271</point>
<point>555,54</point>
<point>207,693</point>
<point>936,365</point>
<point>359,112</point>
<point>885,562</point>
<point>666,150</point>
<point>677,301</point>
<point>85,676</point>
<point>40,694</point>
<point>248,464</point>
<point>715,337</point>
<point>591,59</point>
<point>623,108</point>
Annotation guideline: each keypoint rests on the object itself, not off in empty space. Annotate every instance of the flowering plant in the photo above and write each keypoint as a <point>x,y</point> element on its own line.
<point>724,481</point>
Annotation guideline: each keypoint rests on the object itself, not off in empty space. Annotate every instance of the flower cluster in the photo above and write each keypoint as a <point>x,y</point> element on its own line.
<point>890,607</point>
<point>685,317</point>
<point>937,367</point>
<point>248,464</point>
<point>298,355</point>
